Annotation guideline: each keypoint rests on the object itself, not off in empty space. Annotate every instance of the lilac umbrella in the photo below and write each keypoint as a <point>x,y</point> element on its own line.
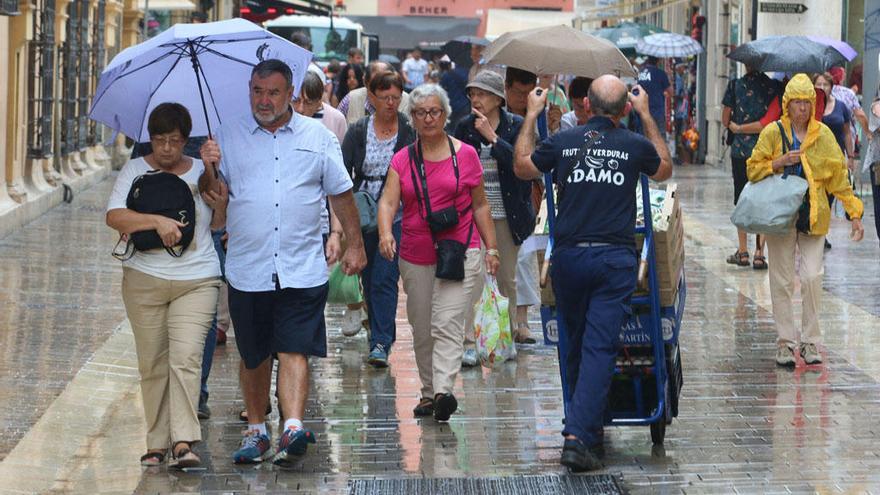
<point>842,46</point>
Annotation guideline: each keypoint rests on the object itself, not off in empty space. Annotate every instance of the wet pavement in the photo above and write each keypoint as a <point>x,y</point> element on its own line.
<point>72,422</point>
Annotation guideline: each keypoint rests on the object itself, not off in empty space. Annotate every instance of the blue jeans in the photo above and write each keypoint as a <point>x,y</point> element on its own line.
<point>593,288</point>
<point>380,290</point>
<point>211,338</point>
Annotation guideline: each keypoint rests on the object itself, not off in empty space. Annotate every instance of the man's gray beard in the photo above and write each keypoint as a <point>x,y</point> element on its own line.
<point>274,119</point>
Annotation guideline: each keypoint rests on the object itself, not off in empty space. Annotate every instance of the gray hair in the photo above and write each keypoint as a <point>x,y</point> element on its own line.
<point>425,91</point>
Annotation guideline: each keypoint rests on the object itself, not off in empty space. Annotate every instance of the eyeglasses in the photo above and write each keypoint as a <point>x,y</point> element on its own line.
<point>162,141</point>
<point>421,114</point>
<point>389,98</point>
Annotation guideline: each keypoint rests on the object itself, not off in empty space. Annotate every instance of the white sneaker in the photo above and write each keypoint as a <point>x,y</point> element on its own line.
<point>810,353</point>
<point>351,322</point>
<point>785,355</point>
<point>469,358</point>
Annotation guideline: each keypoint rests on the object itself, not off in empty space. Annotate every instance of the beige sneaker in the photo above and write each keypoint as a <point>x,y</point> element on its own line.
<point>785,355</point>
<point>810,354</point>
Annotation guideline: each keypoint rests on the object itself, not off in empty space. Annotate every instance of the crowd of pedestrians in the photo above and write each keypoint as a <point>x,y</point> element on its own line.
<point>456,194</point>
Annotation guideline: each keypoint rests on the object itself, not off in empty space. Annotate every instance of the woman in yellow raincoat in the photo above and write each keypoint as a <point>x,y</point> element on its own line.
<point>812,153</point>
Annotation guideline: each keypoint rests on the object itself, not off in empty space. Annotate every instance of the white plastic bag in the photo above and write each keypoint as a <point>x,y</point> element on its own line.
<point>492,326</point>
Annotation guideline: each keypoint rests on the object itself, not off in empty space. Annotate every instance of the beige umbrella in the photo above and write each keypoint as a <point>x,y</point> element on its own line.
<point>559,50</point>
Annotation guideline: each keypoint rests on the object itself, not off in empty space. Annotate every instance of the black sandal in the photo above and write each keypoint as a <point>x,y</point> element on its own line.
<point>759,262</point>
<point>425,407</point>
<point>151,459</point>
<point>739,258</point>
<point>185,458</point>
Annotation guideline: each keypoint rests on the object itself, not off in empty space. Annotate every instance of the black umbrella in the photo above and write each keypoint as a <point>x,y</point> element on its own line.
<point>459,49</point>
<point>787,54</point>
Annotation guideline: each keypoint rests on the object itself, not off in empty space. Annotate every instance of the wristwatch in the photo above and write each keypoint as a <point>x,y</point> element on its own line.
<point>493,252</point>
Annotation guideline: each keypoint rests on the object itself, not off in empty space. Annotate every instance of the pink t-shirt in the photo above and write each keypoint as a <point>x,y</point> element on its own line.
<point>416,244</point>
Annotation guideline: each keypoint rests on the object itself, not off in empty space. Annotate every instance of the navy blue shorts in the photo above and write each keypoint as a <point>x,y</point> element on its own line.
<point>283,320</point>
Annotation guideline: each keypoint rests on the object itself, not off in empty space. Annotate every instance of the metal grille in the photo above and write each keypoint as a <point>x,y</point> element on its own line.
<point>83,68</point>
<point>69,59</point>
<point>98,61</point>
<point>41,73</point>
<point>520,485</point>
<point>9,7</point>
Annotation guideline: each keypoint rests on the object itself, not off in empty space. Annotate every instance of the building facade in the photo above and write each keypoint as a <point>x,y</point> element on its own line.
<point>51,54</point>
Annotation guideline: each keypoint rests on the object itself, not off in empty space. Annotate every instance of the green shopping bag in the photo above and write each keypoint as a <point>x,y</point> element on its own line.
<point>492,326</point>
<point>344,289</point>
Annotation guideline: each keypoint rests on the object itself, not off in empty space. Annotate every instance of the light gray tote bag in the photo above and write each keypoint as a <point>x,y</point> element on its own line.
<point>770,206</point>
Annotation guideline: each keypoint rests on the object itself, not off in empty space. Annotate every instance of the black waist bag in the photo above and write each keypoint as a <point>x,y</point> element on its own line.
<point>166,194</point>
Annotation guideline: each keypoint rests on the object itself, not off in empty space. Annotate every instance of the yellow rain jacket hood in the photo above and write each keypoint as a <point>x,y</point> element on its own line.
<point>823,161</point>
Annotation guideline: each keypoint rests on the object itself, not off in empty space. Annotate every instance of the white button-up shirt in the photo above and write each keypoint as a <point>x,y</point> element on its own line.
<point>277,185</point>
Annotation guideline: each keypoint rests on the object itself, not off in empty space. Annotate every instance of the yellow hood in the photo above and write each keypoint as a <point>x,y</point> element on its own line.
<point>800,88</point>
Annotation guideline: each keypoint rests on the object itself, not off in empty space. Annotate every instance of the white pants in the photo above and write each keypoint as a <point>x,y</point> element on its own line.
<point>781,252</point>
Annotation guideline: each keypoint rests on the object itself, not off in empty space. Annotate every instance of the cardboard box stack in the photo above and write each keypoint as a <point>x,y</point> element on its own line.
<point>668,246</point>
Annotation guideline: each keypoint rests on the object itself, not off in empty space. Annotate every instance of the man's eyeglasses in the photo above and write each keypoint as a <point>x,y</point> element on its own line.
<point>421,114</point>
<point>389,98</point>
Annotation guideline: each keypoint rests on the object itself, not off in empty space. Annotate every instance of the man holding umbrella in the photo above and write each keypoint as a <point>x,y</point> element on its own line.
<point>597,168</point>
<point>279,166</point>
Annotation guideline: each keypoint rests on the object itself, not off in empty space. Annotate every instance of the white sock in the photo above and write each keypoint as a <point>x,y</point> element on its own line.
<point>259,427</point>
<point>293,424</point>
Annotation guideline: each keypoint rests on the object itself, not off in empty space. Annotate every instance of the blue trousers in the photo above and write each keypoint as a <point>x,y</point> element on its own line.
<point>380,290</point>
<point>593,288</point>
<point>211,338</point>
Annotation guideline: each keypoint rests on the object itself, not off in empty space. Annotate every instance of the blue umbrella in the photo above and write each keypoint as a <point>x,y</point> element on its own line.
<point>204,67</point>
<point>791,54</point>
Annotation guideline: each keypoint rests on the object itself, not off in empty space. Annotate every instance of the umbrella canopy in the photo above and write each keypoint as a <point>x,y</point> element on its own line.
<point>668,45</point>
<point>558,50</point>
<point>459,49</point>
<point>205,67</point>
<point>787,54</point>
<point>389,59</point>
<point>843,47</point>
<point>626,35</point>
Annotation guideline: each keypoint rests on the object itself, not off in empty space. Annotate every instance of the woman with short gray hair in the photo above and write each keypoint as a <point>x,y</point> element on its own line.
<point>445,213</point>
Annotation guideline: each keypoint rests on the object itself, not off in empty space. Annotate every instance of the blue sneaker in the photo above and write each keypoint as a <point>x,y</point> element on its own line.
<point>254,449</point>
<point>379,356</point>
<point>293,443</point>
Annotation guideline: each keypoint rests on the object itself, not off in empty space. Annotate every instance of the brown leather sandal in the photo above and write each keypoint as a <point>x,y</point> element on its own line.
<point>759,262</point>
<point>185,458</point>
<point>151,459</point>
<point>740,258</point>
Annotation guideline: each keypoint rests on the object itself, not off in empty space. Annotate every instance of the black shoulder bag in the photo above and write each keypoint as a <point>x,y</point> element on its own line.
<point>802,224</point>
<point>450,253</point>
<point>160,193</point>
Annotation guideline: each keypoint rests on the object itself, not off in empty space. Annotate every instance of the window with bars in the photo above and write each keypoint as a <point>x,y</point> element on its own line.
<point>41,72</point>
<point>99,53</point>
<point>9,7</point>
<point>70,51</point>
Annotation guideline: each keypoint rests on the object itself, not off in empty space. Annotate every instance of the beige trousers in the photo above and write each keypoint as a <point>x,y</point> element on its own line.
<point>170,320</point>
<point>224,322</point>
<point>436,310</point>
<point>781,251</point>
<point>506,277</point>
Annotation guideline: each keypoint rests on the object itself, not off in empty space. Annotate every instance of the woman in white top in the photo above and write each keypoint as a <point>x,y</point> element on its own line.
<point>170,301</point>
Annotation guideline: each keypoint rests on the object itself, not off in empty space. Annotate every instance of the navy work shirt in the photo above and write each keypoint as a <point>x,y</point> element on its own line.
<point>599,203</point>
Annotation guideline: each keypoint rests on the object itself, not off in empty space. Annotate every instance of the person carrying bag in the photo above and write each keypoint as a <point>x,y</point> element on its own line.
<point>801,145</point>
<point>445,216</point>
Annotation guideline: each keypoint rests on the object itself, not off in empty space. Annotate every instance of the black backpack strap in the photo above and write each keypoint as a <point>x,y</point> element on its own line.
<point>785,144</point>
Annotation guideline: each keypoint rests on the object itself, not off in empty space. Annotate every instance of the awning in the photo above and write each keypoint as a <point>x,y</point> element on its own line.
<point>500,21</point>
<point>167,5</point>
<point>408,32</point>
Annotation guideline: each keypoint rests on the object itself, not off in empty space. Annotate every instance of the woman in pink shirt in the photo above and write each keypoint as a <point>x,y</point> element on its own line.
<point>456,204</point>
